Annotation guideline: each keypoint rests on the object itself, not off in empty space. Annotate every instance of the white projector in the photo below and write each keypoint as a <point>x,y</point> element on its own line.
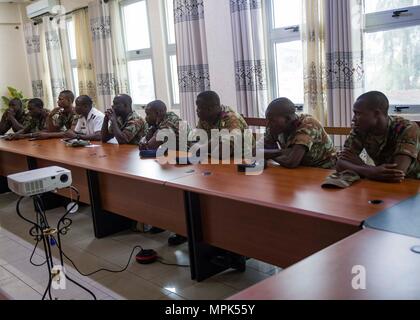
<point>39,181</point>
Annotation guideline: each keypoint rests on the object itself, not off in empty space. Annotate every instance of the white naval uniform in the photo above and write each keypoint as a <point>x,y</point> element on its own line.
<point>91,124</point>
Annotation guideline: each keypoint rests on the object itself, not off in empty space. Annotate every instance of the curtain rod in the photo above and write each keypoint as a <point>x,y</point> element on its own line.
<point>82,8</point>
<point>73,11</point>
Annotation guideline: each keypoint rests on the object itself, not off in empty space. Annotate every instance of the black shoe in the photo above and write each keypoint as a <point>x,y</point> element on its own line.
<point>155,230</point>
<point>239,263</point>
<point>176,240</point>
<point>228,261</point>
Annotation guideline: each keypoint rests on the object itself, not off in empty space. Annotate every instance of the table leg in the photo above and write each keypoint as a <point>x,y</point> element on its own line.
<point>105,223</point>
<point>201,253</point>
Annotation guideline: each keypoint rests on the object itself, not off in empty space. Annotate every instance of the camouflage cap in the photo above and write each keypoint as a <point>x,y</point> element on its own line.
<point>341,180</point>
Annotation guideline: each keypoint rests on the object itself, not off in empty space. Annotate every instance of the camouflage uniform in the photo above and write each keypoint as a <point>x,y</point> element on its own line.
<point>65,121</point>
<point>403,138</point>
<point>309,133</point>
<point>6,125</point>
<point>134,127</point>
<point>36,124</point>
<point>171,122</point>
<point>228,120</point>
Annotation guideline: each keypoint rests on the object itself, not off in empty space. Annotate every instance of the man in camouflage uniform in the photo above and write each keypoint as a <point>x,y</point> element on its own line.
<point>61,119</point>
<point>392,142</point>
<point>302,139</point>
<point>158,118</point>
<point>215,116</point>
<point>122,123</point>
<point>37,122</point>
<point>15,117</point>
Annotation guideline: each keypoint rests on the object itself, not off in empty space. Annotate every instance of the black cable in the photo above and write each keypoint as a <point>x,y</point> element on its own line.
<point>38,229</point>
<point>62,231</point>
<point>103,269</point>
<point>32,256</point>
<point>172,264</point>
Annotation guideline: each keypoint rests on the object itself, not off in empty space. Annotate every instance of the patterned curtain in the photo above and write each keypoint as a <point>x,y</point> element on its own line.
<point>119,61</point>
<point>55,57</point>
<point>193,68</point>
<point>333,59</point>
<point>35,59</point>
<point>344,58</point>
<point>313,40</point>
<point>85,69</point>
<point>108,51</point>
<point>249,52</point>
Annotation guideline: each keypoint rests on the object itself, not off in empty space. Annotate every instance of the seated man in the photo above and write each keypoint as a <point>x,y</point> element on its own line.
<point>302,138</point>
<point>158,118</point>
<point>14,117</point>
<point>213,115</point>
<point>89,125</point>
<point>37,122</point>
<point>392,142</point>
<point>60,119</point>
<point>126,126</point>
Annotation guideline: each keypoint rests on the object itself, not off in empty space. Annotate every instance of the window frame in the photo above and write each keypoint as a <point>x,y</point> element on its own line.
<point>381,21</point>
<point>73,62</point>
<point>170,51</point>
<point>274,36</point>
<point>138,54</point>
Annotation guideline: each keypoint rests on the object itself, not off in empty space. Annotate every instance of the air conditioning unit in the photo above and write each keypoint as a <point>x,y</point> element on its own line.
<point>42,7</point>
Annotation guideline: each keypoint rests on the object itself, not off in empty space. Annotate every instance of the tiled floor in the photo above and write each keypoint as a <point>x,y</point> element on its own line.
<point>19,279</point>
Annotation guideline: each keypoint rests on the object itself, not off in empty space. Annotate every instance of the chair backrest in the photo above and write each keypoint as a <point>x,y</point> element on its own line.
<point>256,122</point>
<point>334,131</point>
<point>259,122</point>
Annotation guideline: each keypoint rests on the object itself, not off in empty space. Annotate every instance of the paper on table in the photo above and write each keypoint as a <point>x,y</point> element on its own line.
<point>113,141</point>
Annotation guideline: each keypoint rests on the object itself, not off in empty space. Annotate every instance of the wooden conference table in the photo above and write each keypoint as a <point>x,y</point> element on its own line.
<point>391,271</point>
<point>280,217</point>
<point>110,178</point>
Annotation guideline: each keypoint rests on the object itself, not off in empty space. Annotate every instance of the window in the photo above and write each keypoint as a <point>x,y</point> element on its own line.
<point>171,52</point>
<point>139,51</point>
<point>71,35</point>
<point>392,50</point>
<point>285,49</point>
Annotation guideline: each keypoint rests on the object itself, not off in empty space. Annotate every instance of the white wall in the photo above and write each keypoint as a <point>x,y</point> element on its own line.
<point>220,50</point>
<point>14,69</point>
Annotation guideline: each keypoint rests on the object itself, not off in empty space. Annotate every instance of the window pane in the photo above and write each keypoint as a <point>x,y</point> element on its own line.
<point>75,82</point>
<point>287,13</point>
<point>289,70</point>
<point>136,26</point>
<point>170,21</point>
<point>174,79</point>
<point>140,73</point>
<point>393,64</point>
<point>72,39</point>
<point>383,5</point>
